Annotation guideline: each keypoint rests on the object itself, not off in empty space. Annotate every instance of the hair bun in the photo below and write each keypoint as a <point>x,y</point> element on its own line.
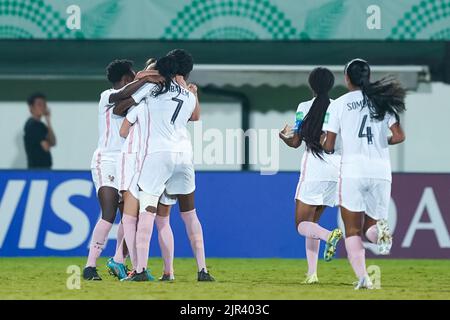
<point>167,66</point>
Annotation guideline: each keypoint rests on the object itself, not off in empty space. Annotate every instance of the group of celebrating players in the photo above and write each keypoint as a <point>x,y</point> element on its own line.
<point>346,163</point>
<point>143,165</point>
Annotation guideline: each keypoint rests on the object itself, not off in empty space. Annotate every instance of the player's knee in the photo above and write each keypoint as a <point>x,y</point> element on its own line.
<point>150,209</point>
<point>297,222</point>
<point>109,214</point>
<point>147,202</point>
<point>163,210</point>
<point>186,202</point>
<point>350,232</point>
<point>364,230</point>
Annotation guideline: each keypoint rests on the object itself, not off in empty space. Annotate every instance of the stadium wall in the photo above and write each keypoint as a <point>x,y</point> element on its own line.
<point>75,124</point>
<point>244,214</point>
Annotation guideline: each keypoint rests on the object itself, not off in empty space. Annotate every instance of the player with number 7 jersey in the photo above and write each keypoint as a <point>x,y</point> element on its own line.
<point>167,161</point>
<point>164,119</point>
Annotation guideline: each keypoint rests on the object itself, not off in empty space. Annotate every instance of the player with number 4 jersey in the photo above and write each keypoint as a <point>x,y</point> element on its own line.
<point>362,119</point>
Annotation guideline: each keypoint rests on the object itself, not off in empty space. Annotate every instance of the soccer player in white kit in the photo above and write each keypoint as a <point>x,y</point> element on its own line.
<point>317,186</point>
<point>128,168</point>
<point>128,163</point>
<point>362,118</point>
<point>103,165</point>
<point>167,164</point>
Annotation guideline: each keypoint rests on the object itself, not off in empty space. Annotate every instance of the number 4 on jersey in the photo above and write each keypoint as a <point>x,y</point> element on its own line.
<point>368,133</point>
<point>177,109</point>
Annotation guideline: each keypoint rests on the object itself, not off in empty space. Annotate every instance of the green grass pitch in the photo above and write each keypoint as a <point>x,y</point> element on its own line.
<point>45,278</point>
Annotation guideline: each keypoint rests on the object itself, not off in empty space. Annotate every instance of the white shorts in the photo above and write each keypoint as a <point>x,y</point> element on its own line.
<point>317,193</point>
<point>168,200</point>
<point>368,195</point>
<point>172,172</point>
<point>133,188</point>
<point>103,170</point>
<point>126,169</point>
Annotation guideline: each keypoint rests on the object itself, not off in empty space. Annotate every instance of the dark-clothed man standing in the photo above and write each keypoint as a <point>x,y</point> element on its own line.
<point>39,138</point>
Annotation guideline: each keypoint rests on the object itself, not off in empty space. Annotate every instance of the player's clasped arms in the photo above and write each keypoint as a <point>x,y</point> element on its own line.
<point>143,165</point>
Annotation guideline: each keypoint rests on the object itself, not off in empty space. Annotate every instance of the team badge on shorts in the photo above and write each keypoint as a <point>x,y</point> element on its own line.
<point>111,178</point>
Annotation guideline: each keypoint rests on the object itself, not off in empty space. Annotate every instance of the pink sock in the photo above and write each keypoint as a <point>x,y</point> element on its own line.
<point>118,257</point>
<point>99,236</point>
<point>313,230</point>
<point>312,254</point>
<point>143,236</point>
<point>356,255</point>
<point>129,230</point>
<point>372,234</point>
<point>195,234</point>
<point>165,238</point>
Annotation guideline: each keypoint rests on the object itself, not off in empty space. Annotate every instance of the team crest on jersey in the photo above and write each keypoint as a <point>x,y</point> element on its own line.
<point>299,115</point>
<point>327,116</point>
<point>111,178</point>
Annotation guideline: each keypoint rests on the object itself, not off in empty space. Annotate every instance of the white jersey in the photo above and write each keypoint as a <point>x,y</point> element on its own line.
<point>312,167</point>
<point>365,149</point>
<point>109,125</point>
<point>164,118</point>
<point>135,137</point>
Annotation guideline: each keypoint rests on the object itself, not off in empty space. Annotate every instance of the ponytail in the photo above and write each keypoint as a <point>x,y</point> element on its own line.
<point>321,80</point>
<point>383,96</point>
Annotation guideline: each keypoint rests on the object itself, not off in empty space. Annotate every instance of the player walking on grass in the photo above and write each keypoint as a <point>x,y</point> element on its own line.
<point>167,164</point>
<point>363,117</point>
<point>103,165</point>
<point>317,186</point>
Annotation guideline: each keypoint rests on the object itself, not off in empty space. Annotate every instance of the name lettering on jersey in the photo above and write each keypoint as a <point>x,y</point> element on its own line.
<point>354,105</point>
<point>177,89</point>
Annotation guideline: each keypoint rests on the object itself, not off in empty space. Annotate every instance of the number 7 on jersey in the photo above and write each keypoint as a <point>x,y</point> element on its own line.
<point>177,109</point>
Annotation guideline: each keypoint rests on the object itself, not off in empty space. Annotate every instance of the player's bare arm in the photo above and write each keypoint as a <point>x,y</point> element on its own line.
<point>330,141</point>
<point>181,81</point>
<point>196,113</point>
<point>134,86</point>
<point>153,74</point>
<point>121,107</point>
<point>127,91</point>
<point>125,128</point>
<point>398,135</point>
<point>291,139</point>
